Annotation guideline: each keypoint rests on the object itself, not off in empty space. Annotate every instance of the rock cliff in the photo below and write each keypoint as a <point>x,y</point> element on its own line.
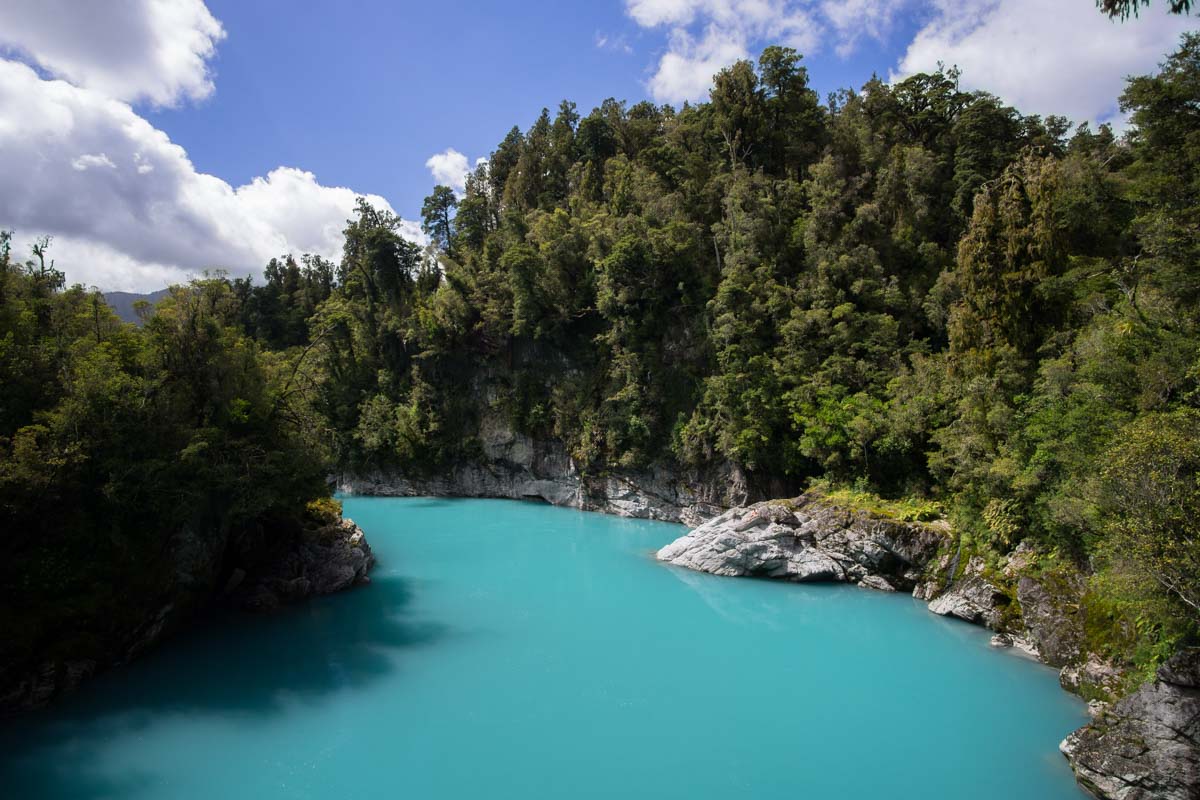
<point>1147,746</point>
<point>520,467</point>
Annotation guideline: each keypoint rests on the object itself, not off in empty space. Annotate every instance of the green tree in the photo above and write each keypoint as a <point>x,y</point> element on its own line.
<point>437,218</point>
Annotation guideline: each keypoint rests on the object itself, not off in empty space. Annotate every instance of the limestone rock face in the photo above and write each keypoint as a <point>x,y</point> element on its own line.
<point>1148,744</point>
<point>521,468</point>
<point>807,539</point>
<point>518,466</point>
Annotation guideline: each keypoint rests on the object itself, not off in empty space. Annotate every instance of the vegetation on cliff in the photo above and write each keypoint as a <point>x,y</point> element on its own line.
<point>908,289</point>
<point>134,462</point>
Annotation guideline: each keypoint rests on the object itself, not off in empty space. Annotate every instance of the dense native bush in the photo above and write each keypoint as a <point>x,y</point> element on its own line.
<point>116,440</point>
<point>909,289</point>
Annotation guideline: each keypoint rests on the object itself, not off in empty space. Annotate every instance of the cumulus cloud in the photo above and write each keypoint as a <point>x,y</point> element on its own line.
<point>1062,58</point>
<point>686,70</point>
<point>449,168</point>
<point>706,35</point>
<point>126,205</point>
<point>151,50</point>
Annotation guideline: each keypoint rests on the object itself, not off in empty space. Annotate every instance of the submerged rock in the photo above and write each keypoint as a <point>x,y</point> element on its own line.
<point>1147,745</point>
<point>808,539</point>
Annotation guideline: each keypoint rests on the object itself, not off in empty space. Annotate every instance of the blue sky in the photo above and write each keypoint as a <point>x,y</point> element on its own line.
<point>156,139</point>
<point>362,93</point>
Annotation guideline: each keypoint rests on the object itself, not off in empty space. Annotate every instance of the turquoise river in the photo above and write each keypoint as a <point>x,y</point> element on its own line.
<point>514,650</point>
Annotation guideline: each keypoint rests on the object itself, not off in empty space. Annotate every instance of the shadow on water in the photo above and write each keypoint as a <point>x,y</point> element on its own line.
<point>246,668</point>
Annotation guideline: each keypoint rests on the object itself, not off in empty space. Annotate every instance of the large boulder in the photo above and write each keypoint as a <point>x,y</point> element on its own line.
<point>974,597</point>
<point>1147,746</point>
<point>808,539</point>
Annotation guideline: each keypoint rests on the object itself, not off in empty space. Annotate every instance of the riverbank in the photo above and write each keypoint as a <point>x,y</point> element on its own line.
<point>1031,601</point>
<point>1143,746</point>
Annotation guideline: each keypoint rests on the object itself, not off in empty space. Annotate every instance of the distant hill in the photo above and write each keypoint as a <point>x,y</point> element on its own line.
<point>123,302</point>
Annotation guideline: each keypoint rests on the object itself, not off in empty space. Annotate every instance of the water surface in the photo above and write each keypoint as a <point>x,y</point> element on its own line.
<point>513,650</point>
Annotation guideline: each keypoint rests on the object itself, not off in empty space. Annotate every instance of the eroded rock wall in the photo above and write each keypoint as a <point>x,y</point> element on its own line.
<point>519,467</point>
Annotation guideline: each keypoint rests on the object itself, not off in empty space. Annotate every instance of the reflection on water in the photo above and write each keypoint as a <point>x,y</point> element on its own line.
<point>238,670</point>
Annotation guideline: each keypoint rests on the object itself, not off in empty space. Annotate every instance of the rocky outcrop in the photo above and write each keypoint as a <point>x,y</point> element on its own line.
<point>974,598</point>
<point>1148,744</point>
<point>324,561</point>
<point>808,539</point>
<point>1090,677</point>
<point>1035,609</point>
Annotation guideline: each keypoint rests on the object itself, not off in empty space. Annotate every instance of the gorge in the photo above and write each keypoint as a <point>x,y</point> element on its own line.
<point>515,650</point>
<point>920,367</point>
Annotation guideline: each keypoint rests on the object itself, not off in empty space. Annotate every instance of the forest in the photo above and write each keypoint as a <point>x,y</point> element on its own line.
<point>906,290</point>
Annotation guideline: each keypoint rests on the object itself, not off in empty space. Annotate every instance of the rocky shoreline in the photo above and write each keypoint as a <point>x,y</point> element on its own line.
<point>1145,746</point>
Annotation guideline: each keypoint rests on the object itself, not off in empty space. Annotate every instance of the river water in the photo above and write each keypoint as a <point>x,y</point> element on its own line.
<point>515,650</point>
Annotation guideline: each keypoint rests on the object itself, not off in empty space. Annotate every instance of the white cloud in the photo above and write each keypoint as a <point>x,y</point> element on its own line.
<point>449,168</point>
<point>125,204</point>
<point>105,267</point>
<point>706,35</point>
<point>854,20</point>
<point>686,70</point>
<point>1046,58</point>
<point>152,50</point>
<point>618,43</point>
<point>89,160</point>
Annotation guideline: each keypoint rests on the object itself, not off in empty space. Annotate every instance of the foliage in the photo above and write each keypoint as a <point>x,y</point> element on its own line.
<point>120,444</point>
<point>910,289</point>
<point>907,509</point>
